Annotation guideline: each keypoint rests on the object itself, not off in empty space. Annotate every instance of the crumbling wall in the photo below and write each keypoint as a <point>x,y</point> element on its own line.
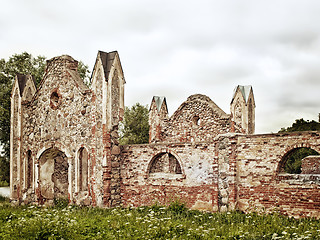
<point>261,186</point>
<point>53,176</point>
<point>310,165</point>
<point>58,116</point>
<point>158,173</point>
<point>197,119</point>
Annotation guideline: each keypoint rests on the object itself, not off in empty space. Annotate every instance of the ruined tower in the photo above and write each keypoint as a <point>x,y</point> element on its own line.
<point>242,109</point>
<point>158,114</point>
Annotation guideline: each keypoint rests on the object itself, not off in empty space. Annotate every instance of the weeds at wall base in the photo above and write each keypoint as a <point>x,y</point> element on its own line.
<point>150,222</point>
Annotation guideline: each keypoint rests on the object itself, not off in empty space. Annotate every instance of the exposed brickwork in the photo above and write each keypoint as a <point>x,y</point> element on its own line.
<point>196,184</point>
<point>65,143</point>
<point>260,185</point>
<point>310,165</point>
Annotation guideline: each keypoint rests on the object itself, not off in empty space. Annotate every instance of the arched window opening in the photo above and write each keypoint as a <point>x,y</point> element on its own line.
<point>165,163</point>
<point>291,162</point>
<point>53,174</point>
<point>238,113</point>
<point>115,97</point>
<point>195,120</point>
<point>29,169</point>
<point>83,169</point>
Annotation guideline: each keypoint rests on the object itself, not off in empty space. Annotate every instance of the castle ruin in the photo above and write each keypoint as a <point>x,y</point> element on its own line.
<point>64,143</point>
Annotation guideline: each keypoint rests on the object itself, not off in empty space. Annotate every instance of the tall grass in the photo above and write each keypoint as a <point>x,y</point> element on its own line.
<point>155,222</point>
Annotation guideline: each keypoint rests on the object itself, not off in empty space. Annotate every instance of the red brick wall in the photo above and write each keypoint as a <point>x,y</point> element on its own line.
<point>260,186</point>
<point>196,185</point>
<point>310,165</point>
<point>233,172</point>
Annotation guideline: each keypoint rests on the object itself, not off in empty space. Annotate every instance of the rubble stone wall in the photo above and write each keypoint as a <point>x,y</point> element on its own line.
<point>198,119</point>
<point>58,117</point>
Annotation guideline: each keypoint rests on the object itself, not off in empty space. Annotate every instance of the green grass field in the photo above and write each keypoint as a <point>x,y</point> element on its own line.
<point>155,222</point>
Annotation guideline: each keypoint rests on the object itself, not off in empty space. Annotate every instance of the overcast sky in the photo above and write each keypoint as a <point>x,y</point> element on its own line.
<point>179,48</point>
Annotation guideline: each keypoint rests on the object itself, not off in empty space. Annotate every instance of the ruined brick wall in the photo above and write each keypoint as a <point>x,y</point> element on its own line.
<point>310,165</point>
<point>64,136</point>
<point>261,186</point>
<point>197,119</point>
<point>65,144</point>
<point>150,175</point>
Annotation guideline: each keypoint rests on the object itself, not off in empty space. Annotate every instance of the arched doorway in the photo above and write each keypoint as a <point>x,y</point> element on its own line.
<point>53,174</point>
<point>291,161</point>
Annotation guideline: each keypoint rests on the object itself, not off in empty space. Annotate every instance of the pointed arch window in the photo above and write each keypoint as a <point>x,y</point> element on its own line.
<point>29,169</point>
<point>82,169</point>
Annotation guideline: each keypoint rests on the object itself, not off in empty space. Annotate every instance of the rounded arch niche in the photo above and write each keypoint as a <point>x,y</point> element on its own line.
<point>164,164</point>
<point>53,174</point>
<point>291,162</point>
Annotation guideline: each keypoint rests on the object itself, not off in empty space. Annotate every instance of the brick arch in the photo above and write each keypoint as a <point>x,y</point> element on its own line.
<point>284,155</point>
<point>164,152</point>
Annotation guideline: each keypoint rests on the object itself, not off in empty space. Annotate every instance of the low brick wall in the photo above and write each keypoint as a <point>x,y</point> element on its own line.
<point>233,172</point>
<point>196,185</point>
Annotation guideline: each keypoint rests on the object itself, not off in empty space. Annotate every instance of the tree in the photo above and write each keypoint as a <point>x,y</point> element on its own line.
<point>4,170</point>
<point>302,125</point>
<point>134,129</point>
<point>293,160</point>
<point>23,63</point>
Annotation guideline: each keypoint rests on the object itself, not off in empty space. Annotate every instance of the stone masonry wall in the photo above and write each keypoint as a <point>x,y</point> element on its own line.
<point>198,119</point>
<point>59,116</point>
<point>65,143</point>
<point>195,183</point>
<point>261,186</point>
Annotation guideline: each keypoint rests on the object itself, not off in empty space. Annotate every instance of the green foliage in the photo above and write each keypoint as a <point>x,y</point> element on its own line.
<point>147,223</point>
<point>293,163</point>
<point>134,128</point>
<point>84,72</point>
<point>60,202</point>
<point>177,207</point>
<point>302,125</point>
